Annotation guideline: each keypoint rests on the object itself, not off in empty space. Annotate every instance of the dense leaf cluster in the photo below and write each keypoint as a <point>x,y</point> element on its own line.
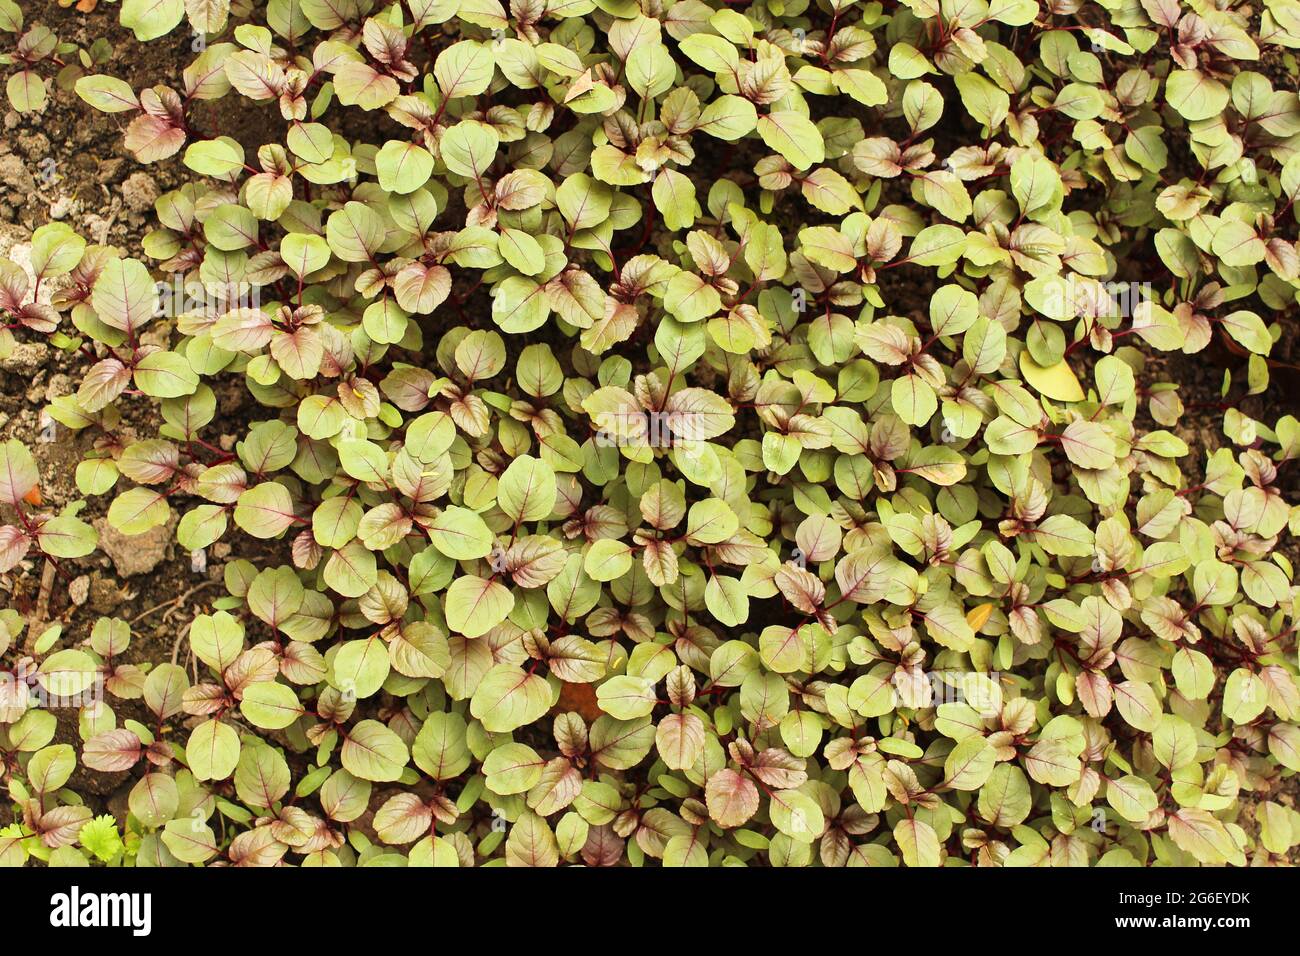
<point>727,434</point>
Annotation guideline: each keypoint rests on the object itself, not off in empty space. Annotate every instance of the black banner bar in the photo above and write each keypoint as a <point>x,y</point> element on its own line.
<point>395,905</point>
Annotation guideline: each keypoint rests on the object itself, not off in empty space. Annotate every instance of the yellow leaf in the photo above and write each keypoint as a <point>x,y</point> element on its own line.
<point>978,616</point>
<point>1056,382</point>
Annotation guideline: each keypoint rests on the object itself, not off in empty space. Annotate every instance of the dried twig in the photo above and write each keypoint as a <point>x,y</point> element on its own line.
<point>173,602</point>
<point>103,230</point>
<point>40,613</point>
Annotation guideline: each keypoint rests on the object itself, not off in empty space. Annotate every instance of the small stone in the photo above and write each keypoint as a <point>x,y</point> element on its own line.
<point>15,174</point>
<point>134,554</point>
<point>110,169</point>
<point>105,595</point>
<point>36,145</point>
<point>26,359</point>
<point>139,192</point>
<point>60,385</point>
<point>79,589</point>
<point>61,207</point>
<point>95,225</point>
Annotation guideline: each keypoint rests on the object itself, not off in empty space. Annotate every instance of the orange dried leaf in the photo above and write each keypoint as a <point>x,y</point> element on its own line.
<point>579,699</point>
<point>978,616</point>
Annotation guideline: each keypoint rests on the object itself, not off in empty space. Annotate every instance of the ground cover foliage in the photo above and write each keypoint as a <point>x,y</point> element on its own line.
<point>688,433</point>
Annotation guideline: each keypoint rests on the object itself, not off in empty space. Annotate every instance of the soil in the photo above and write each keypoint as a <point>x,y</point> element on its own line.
<point>68,163</point>
<point>100,190</point>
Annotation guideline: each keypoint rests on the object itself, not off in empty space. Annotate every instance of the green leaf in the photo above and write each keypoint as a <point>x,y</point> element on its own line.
<point>107,94</point>
<point>1200,834</point>
<point>607,560</point>
<point>794,136</point>
<point>124,296</point>
<point>1195,95</point>
<point>913,399</point>
<point>475,605</point>
<point>1035,181</point>
<point>674,197</point>
<point>727,600</point>
<point>1249,329</point>
<point>150,19</point>
<point>464,69</point>
<point>440,749</point>
<point>231,227</point>
<point>512,768</point>
<point>969,764</point>
<point>728,117</point>
<point>214,157</point>
<point>138,510</point>
<point>212,750</point>
<point>468,149</point>
<point>360,668</point>
<point>526,490</point>
<point>216,639</point>
<point>354,232</point>
<point>165,375</point>
<point>270,705</point>
<point>64,536</point>
<point>56,250</point>
<point>26,91</point>
<point>403,167</point>
<point>460,534</point>
<point>311,142</point>
<point>797,815</point>
<point>373,752</point>
<point>917,842</point>
<point>1132,798</point>
<point>50,767</point>
<point>507,699</point>
<point>937,246</point>
<point>265,511</point>
<point>190,840</point>
<point>583,201</point>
